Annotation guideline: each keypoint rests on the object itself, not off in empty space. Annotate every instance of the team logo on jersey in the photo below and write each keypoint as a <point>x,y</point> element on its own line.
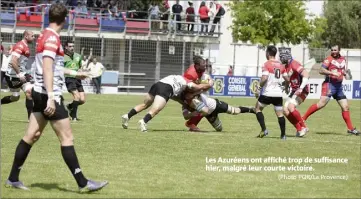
<point>218,87</point>
<point>253,87</point>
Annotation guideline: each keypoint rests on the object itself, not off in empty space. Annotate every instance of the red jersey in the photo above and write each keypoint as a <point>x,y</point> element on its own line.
<point>48,45</point>
<point>192,74</point>
<point>275,72</point>
<point>294,70</point>
<point>335,65</point>
<point>22,52</point>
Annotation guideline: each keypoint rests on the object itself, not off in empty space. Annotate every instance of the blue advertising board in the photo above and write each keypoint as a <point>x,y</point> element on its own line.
<point>234,85</point>
<point>356,93</point>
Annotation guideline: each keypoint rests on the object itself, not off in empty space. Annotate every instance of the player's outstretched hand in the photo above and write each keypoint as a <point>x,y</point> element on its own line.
<point>50,107</point>
<point>298,91</point>
<point>82,75</point>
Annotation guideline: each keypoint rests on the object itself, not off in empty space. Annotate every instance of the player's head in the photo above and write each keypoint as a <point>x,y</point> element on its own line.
<point>7,51</point>
<point>57,14</point>
<point>335,51</point>
<point>271,52</point>
<point>285,57</point>
<point>199,64</point>
<point>94,60</point>
<point>28,36</point>
<point>84,57</point>
<point>69,47</point>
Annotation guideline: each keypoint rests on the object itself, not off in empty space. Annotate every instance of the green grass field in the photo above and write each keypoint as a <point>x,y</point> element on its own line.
<point>170,162</point>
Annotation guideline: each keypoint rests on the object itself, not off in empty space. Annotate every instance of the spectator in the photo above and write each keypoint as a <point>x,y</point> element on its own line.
<point>154,14</point>
<point>78,8</point>
<point>97,67</point>
<point>72,3</point>
<point>177,9</point>
<point>98,3</point>
<point>220,11</point>
<point>203,15</point>
<point>165,15</point>
<point>84,9</point>
<point>230,71</point>
<point>190,16</point>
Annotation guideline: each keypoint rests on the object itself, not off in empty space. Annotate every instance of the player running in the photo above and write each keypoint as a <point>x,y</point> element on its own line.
<point>334,67</point>
<point>48,104</point>
<point>15,76</point>
<point>158,96</point>
<point>73,61</point>
<point>299,91</point>
<point>215,107</point>
<point>271,91</point>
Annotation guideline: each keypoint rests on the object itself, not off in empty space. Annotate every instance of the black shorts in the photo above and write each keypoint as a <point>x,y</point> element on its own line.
<point>73,84</point>
<point>275,101</point>
<point>162,89</point>
<point>40,103</point>
<point>221,107</point>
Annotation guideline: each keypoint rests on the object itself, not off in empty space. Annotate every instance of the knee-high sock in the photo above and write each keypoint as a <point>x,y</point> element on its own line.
<point>313,108</point>
<point>347,118</point>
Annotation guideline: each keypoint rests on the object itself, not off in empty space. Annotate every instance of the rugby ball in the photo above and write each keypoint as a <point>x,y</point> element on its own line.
<point>205,78</point>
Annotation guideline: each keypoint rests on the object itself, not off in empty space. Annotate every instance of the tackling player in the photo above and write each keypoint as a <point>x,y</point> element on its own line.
<point>48,104</point>
<point>299,91</point>
<point>271,91</point>
<point>215,107</point>
<point>15,76</point>
<point>158,96</point>
<point>73,61</point>
<point>334,67</point>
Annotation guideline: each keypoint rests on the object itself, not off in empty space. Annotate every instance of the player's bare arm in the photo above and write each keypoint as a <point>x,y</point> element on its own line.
<point>77,74</point>
<point>324,71</point>
<point>48,80</point>
<point>14,63</point>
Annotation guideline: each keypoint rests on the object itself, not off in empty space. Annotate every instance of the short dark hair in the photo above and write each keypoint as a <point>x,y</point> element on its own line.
<point>338,46</point>
<point>272,51</point>
<point>69,41</point>
<point>197,60</point>
<point>57,13</point>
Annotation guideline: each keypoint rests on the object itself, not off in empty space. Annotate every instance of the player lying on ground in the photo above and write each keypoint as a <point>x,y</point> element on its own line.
<point>49,104</point>
<point>334,67</point>
<point>15,76</point>
<point>299,92</point>
<point>215,107</point>
<point>271,91</point>
<point>158,96</point>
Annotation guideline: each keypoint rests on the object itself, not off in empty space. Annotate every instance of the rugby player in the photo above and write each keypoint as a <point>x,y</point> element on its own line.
<point>73,61</point>
<point>15,76</point>
<point>271,91</point>
<point>48,104</point>
<point>158,96</point>
<point>299,91</point>
<point>334,67</point>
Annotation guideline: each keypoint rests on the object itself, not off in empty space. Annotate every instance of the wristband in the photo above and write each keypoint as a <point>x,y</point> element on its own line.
<point>190,84</point>
<point>304,83</point>
<point>51,95</point>
<point>73,73</point>
<point>20,75</point>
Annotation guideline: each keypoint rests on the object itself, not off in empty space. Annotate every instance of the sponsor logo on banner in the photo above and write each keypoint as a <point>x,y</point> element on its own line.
<point>237,85</point>
<point>253,87</point>
<point>356,93</point>
<point>218,87</point>
<point>347,87</point>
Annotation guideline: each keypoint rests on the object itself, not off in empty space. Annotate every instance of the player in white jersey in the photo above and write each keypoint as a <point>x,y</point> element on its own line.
<point>215,107</point>
<point>48,104</point>
<point>158,96</point>
<point>16,76</point>
<point>5,59</point>
<point>273,74</point>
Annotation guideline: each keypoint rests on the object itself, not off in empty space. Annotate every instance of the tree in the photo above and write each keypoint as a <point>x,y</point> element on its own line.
<point>267,22</point>
<point>343,23</point>
<point>319,37</point>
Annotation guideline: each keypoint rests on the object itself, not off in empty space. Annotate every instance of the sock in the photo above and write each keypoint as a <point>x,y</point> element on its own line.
<point>147,118</point>
<point>195,120</point>
<point>21,153</point>
<point>6,100</point>
<point>71,160</point>
<point>132,113</point>
<point>282,123</point>
<point>70,105</point>
<point>294,122</point>
<point>29,106</point>
<point>74,111</point>
<point>346,117</point>
<point>295,114</point>
<point>260,119</point>
<point>246,109</point>
<point>313,108</point>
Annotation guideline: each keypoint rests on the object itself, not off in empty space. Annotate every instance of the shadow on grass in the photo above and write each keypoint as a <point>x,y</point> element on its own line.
<point>328,133</point>
<point>50,186</point>
<point>15,121</point>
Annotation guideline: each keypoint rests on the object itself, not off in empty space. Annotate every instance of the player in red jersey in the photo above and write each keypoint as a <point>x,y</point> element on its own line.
<point>15,76</point>
<point>334,67</point>
<point>49,104</point>
<point>194,73</point>
<point>299,91</point>
<point>271,91</point>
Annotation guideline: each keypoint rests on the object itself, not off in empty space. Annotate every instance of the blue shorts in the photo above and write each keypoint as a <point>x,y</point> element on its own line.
<point>334,90</point>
